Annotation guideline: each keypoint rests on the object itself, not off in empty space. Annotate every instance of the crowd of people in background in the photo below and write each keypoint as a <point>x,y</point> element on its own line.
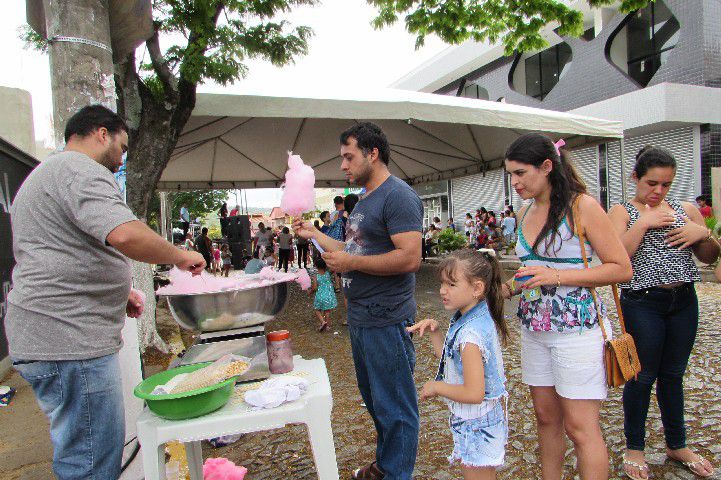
<point>270,247</point>
<point>485,230</point>
<point>281,249</point>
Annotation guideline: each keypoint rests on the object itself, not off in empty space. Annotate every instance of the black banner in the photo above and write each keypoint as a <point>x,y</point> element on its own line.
<point>14,168</point>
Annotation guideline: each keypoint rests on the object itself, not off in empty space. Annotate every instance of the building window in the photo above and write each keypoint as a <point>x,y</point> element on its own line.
<point>544,69</point>
<point>589,34</point>
<point>644,41</point>
<point>475,91</point>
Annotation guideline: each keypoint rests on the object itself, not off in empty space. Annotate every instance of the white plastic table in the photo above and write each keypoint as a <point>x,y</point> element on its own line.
<point>312,409</point>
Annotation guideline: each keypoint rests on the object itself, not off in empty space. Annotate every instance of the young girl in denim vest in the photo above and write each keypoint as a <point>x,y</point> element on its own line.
<point>470,376</point>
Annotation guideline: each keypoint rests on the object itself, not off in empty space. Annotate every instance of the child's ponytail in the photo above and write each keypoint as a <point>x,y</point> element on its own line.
<point>494,296</point>
<point>480,266</point>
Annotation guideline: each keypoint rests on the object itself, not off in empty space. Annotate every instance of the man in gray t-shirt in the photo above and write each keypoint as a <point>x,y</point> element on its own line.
<point>72,239</point>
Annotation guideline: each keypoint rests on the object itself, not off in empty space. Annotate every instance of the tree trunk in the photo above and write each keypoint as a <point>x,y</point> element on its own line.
<point>154,129</point>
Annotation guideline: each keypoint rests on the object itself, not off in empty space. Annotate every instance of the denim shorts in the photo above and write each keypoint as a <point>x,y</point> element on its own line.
<point>480,442</point>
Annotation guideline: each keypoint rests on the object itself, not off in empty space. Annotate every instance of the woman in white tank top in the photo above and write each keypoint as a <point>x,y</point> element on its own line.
<point>561,344</point>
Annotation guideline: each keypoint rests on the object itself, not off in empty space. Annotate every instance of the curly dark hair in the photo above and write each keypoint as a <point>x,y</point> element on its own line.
<point>90,118</point>
<point>369,136</point>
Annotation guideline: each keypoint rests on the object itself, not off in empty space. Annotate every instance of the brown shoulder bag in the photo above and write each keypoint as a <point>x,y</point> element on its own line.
<point>619,354</point>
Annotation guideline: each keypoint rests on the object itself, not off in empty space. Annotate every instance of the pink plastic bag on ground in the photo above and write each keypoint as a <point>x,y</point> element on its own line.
<point>222,469</point>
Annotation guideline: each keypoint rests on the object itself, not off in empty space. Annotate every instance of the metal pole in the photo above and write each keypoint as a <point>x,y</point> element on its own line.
<point>163,214</point>
<point>246,202</point>
<point>166,217</point>
<point>624,186</point>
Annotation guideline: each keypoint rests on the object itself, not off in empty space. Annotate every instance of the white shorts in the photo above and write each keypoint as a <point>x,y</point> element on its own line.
<point>572,362</point>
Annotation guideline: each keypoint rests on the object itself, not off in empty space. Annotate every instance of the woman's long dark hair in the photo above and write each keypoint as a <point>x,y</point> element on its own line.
<point>475,265</point>
<point>533,149</point>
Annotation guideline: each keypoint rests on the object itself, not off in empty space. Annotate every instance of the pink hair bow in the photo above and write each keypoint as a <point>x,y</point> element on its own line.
<point>558,146</point>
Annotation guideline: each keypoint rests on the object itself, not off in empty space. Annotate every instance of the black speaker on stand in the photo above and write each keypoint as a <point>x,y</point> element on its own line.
<point>239,240</point>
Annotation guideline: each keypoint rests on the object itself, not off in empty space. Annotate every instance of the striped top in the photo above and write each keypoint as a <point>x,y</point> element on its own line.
<point>557,309</point>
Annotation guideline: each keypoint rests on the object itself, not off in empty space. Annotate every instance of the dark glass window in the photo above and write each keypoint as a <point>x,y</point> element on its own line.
<point>544,69</point>
<point>475,91</point>
<point>651,33</point>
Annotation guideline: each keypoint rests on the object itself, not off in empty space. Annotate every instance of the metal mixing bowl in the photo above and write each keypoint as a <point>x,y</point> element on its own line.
<point>229,309</point>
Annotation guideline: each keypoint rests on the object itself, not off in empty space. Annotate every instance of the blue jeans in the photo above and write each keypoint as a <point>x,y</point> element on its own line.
<point>384,360</point>
<point>663,325</point>
<point>84,401</point>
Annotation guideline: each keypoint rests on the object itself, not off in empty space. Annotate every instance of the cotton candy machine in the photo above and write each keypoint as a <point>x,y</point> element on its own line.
<point>229,321</point>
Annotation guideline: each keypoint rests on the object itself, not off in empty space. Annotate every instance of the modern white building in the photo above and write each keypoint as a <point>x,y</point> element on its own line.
<point>658,70</point>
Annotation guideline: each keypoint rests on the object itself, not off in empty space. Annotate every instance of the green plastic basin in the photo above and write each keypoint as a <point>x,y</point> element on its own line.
<point>179,406</point>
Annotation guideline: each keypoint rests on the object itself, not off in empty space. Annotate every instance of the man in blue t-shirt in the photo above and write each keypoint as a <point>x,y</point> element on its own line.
<point>378,261</point>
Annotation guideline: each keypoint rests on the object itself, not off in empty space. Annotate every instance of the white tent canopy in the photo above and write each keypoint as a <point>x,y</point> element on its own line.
<point>241,141</point>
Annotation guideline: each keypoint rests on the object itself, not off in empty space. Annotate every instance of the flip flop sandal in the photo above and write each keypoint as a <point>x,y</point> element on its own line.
<point>369,472</point>
<point>640,466</point>
<point>692,466</point>
<point>323,327</point>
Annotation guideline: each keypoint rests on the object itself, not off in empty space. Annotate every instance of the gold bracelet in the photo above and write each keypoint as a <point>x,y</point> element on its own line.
<point>558,277</point>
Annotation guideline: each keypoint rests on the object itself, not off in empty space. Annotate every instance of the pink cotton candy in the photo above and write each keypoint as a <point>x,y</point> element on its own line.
<point>298,194</point>
<point>184,283</point>
<point>222,469</point>
<point>303,279</point>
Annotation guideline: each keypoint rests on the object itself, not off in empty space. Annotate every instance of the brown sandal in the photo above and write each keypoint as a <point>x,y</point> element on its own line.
<point>369,472</point>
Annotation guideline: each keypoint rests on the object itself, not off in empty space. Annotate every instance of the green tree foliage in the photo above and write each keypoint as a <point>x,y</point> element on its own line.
<point>516,23</point>
<point>448,241</point>
<point>193,41</point>
<point>199,202</point>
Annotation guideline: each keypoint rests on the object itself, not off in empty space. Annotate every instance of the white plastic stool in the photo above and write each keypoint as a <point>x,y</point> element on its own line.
<point>313,409</point>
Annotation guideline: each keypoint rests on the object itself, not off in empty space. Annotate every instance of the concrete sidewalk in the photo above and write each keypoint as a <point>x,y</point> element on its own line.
<point>25,449</point>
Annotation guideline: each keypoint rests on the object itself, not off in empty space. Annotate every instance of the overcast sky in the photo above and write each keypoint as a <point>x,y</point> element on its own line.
<point>345,53</point>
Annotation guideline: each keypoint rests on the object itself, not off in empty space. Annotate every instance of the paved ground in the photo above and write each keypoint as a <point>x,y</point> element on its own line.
<point>285,454</point>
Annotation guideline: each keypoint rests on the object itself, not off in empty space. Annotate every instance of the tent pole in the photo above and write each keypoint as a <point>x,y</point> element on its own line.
<point>623,174</point>
<point>164,216</point>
